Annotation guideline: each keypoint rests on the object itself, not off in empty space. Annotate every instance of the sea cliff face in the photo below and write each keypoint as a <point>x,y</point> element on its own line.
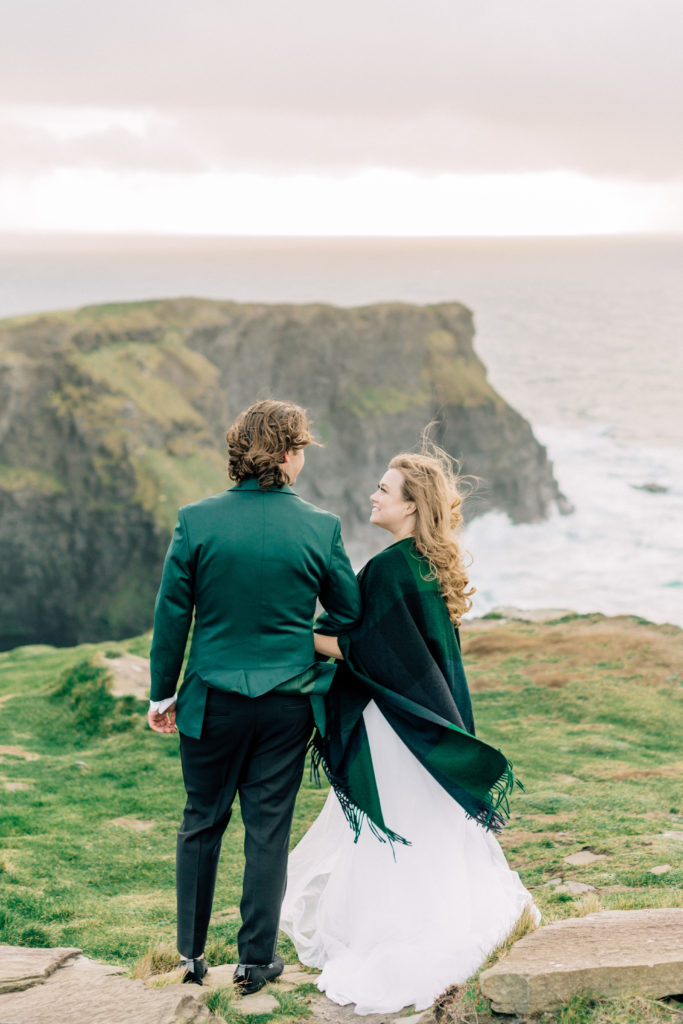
<point>112,416</point>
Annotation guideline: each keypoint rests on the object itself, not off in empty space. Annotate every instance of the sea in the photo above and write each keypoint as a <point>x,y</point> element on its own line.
<point>583,336</point>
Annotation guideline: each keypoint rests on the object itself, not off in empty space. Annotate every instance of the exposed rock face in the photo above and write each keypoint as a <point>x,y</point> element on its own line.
<point>59,986</point>
<point>22,967</point>
<point>112,416</point>
<point>77,990</point>
<point>609,954</point>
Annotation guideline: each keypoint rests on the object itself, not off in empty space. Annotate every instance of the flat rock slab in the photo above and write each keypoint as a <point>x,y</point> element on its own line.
<point>259,1002</point>
<point>326,1012</point>
<point>612,953</point>
<point>85,992</point>
<point>68,988</point>
<point>290,980</point>
<point>219,977</point>
<point>298,976</point>
<point>574,888</point>
<point>20,967</point>
<point>583,857</point>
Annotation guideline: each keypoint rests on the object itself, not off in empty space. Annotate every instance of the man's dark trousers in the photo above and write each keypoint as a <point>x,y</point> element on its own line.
<point>254,746</point>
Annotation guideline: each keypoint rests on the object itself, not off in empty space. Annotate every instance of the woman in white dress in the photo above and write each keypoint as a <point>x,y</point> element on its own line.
<point>392,924</point>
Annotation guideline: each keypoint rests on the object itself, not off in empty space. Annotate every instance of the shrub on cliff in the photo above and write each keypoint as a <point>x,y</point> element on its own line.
<point>84,690</point>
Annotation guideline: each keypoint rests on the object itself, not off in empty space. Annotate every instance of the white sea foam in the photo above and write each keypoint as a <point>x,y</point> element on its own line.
<point>619,552</point>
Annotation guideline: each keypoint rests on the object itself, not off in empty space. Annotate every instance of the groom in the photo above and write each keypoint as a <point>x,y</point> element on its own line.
<point>250,564</point>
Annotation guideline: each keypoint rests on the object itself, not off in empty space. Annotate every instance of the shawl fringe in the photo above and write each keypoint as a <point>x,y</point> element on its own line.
<point>353,814</point>
<point>495,811</point>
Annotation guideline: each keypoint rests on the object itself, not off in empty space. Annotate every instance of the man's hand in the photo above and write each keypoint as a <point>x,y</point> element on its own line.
<point>164,721</point>
<point>327,646</point>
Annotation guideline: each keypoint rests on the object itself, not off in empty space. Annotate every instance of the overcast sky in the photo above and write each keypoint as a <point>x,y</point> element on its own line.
<point>423,113</point>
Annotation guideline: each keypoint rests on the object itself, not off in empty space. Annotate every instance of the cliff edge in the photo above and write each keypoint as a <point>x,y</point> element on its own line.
<point>112,416</point>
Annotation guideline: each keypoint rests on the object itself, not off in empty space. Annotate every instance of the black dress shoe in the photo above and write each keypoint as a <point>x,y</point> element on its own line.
<point>252,977</point>
<point>194,970</point>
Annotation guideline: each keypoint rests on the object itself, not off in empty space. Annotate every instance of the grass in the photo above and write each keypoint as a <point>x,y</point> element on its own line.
<point>585,708</point>
<point>136,400</point>
<point>388,401</point>
<point>455,377</point>
<point>160,382</point>
<point>293,1007</point>
<point>167,480</point>
<point>152,377</point>
<point>599,697</point>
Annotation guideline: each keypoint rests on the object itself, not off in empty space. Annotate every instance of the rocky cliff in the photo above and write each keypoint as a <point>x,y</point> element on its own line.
<point>112,416</point>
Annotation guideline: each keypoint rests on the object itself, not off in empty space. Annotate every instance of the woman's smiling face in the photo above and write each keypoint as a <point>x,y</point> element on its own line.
<point>390,510</point>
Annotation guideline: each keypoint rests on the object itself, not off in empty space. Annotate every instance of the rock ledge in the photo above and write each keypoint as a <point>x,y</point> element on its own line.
<point>22,967</point>
<point>608,954</point>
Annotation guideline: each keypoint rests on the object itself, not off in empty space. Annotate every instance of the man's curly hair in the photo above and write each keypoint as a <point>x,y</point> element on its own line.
<point>259,438</point>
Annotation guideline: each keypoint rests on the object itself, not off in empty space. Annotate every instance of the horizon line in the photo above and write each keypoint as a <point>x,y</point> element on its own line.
<point>31,233</point>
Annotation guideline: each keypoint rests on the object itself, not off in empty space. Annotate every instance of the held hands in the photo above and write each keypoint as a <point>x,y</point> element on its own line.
<point>162,721</point>
<point>327,646</point>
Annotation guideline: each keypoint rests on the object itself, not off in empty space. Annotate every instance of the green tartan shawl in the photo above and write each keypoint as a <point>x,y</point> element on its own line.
<point>405,655</point>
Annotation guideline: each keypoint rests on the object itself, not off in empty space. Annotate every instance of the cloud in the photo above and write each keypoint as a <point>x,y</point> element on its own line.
<point>197,141</point>
<point>37,139</point>
<point>444,86</point>
<point>370,203</point>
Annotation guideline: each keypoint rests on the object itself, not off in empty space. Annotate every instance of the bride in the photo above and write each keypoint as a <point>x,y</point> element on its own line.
<point>394,922</point>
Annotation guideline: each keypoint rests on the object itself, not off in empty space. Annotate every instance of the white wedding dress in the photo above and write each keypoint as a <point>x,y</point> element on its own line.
<point>392,929</point>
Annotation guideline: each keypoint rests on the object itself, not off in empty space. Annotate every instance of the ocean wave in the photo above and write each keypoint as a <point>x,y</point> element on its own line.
<point>620,552</point>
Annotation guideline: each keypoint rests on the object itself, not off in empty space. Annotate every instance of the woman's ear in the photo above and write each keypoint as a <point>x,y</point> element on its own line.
<point>411,508</point>
<point>286,457</point>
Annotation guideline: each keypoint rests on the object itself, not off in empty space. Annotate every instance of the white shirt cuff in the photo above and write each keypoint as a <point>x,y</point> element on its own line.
<point>162,705</point>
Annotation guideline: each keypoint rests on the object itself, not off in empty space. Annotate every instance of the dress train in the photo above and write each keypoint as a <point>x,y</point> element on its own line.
<point>389,928</point>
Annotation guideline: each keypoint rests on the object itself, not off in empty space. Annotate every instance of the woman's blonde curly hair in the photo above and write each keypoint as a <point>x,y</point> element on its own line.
<point>260,437</point>
<point>434,486</point>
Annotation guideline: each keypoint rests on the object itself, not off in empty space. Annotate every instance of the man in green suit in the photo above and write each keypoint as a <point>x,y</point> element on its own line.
<point>250,564</point>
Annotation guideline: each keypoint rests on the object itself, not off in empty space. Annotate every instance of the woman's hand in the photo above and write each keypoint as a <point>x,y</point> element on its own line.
<point>327,646</point>
<point>163,721</point>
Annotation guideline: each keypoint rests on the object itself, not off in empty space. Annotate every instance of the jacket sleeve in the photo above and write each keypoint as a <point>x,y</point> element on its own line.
<point>339,592</point>
<point>172,614</point>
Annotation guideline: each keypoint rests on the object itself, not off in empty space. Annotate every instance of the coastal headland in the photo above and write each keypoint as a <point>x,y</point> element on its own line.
<point>113,416</point>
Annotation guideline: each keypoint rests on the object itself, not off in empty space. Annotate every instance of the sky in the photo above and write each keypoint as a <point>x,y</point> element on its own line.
<point>386,117</point>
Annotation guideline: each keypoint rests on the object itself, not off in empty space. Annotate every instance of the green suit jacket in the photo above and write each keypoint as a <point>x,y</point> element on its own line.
<point>250,565</point>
